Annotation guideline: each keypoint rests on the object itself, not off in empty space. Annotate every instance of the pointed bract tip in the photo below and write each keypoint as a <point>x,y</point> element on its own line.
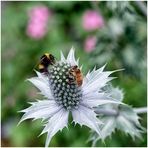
<point>72,48</point>
<point>19,122</point>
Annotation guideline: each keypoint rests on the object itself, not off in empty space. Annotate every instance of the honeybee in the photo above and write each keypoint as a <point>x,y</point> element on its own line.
<point>76,73</point>
<point>46,60</point>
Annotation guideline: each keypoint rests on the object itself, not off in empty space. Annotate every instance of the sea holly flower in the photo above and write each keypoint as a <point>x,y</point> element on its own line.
<point>123,118</point>
<point>63,97</point>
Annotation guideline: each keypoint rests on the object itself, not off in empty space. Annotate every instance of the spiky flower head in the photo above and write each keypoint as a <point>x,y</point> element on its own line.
<point>65,93</point>
<point>63,97</point>
<point>124,118</point>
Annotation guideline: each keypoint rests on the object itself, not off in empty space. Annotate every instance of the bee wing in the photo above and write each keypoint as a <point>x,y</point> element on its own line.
<point>38,62</point>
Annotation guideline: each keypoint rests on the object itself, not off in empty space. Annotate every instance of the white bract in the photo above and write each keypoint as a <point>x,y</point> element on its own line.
<point>63,97</point>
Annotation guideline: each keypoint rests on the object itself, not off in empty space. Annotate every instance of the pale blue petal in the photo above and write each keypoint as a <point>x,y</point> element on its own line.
<point>90,75</point>
<point>96,79</point>
<point>62,57</point>
<point>42,86</point>
<point>86,116</point>
<point>108,126</point>
<point>57,122</point>
<point>95,98</point>
<point>116,93</point>
<point>98,82</point>
<point>71,58</point>
<point>40,110</point>
<point>43,77</point>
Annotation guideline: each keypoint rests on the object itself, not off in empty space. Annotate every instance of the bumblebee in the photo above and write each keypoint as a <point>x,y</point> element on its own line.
<point>76,73</point>
<point>46,60</point>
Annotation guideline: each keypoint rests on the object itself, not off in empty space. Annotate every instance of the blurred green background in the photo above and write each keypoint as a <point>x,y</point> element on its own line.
<point>121,43</point>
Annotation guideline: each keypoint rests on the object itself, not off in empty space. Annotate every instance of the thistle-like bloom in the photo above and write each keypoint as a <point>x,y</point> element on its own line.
<point>64,97</point>
<point>123,118</point>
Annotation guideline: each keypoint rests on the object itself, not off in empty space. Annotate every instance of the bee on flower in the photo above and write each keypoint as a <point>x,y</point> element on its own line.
<point>67,90</point>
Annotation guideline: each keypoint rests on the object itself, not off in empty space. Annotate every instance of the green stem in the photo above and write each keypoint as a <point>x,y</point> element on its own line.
<point>111,112</point>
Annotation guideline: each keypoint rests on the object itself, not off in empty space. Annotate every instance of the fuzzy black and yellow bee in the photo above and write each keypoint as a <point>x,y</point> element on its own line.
<point>46,60</point>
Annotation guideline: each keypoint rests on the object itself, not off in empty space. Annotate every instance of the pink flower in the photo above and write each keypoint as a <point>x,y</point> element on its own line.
<point>40,12</point>
<point>90,43</point>
<point>92,20</point>
<point>38,21</point>
<point>36,31</point>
